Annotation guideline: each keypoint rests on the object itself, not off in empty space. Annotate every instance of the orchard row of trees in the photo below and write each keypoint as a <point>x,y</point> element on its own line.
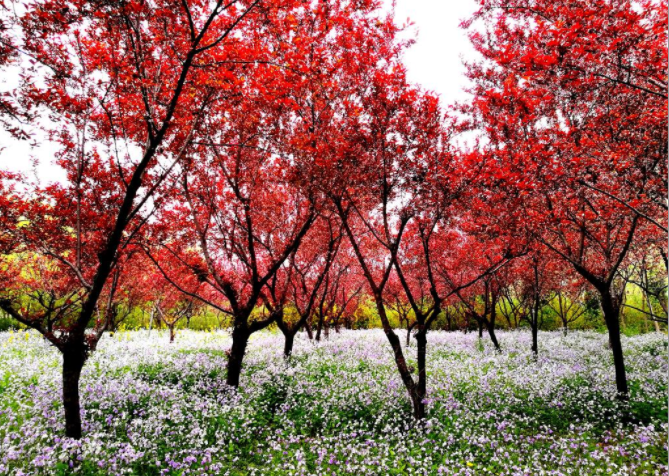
<point>269,161</point>
<point>525,295</point>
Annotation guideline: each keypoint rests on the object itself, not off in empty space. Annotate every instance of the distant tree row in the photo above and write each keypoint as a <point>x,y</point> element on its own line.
<point>527,294</point>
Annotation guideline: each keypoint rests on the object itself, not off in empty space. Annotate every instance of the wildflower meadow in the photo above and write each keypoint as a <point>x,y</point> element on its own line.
<point>336,407</point>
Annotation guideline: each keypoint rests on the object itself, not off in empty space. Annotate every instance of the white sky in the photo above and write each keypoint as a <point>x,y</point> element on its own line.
<point>434,61</point>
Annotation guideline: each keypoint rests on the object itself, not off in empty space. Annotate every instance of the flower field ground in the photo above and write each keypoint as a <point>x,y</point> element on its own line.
<point>337,407</point>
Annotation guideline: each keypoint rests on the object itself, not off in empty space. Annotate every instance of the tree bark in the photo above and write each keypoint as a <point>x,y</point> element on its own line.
<point>490,323</point>
<point>400,361</point>
<point>151,320</point>
<point>288,343</point>
<point>307,327</point>
<point>421,388</point>
<point>240,339</point>
<point>171,334</point>
<point>73,362</point>
<point>534,321</point>
<point>491,332</point>
<point>648,302</point>
<point>536,307</point>
<point>611,310</point>
<point>319,328</point>
<point>535,333</point>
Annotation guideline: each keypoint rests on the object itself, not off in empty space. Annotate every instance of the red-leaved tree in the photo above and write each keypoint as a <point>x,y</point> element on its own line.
<point>571,97</point>
<point>122,89</point>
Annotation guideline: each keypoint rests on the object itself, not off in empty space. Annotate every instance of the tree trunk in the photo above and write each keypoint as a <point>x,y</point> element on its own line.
<point>611,311</point>
<point>240,339</point>
<point>421,390</point>
<point>73,362</point>
<point>400,361</point>
<point>307,327</point>
<point>288,343</point>
<point>650,310</point>
<point>319,328</point>
<point>480,324</point>
<point>490,323</point>
<point>416,402</point>
<point>536,307</point>
<point>171,333</point>
<point>565,329</point>
<point>491,332</point>
<point>534,318</point>
<point>535,333</point>
<point>151,320</point>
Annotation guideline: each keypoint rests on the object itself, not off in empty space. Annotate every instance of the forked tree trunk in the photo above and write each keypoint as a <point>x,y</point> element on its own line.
<point>73,362</point>
<point>240,339</point>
